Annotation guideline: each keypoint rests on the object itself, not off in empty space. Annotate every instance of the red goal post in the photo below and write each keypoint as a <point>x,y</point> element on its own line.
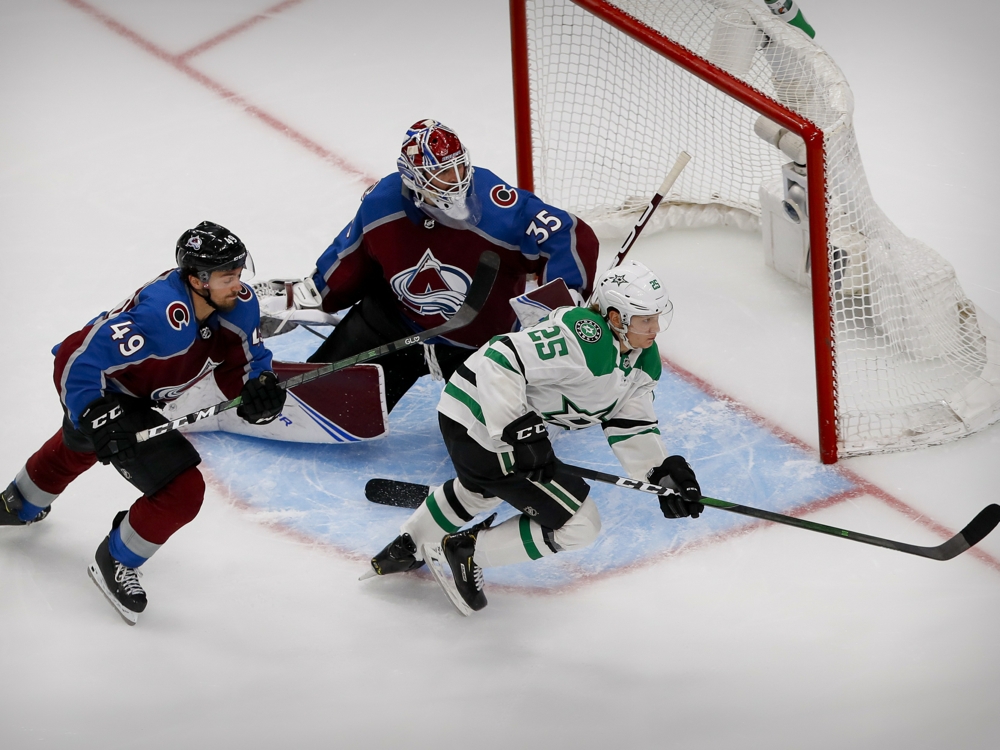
<point>627,71</point>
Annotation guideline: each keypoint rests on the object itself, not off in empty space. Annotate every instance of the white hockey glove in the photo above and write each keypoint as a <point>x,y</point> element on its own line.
<point>285,303</point>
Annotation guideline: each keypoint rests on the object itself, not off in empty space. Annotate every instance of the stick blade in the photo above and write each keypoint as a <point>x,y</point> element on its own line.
<point>975,531</point>
<point>982,525</point>
<point>397,494</point>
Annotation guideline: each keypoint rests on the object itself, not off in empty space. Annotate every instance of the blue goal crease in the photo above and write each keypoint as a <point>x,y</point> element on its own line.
<point>318,490</point>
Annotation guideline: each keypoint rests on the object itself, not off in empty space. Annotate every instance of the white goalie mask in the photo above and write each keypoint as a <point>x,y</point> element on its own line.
<point>635,292</point>
<point>435,165</point>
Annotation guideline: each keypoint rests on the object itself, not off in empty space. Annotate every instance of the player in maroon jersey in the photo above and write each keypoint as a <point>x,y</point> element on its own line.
<point>405,262</point>
<point>194,321</point>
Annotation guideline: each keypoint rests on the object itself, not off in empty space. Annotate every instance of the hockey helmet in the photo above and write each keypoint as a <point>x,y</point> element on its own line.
<point>211,247</point>
<point>634,291</point>
<point>435,165</point>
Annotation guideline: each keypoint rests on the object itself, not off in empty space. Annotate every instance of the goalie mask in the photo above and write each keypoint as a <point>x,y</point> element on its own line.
<point>210,247</point>
<point>638,296</point>
<point>436,167</point>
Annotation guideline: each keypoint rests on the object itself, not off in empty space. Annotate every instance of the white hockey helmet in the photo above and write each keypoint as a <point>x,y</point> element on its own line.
<point>634,291</point>
<point>435,165</point>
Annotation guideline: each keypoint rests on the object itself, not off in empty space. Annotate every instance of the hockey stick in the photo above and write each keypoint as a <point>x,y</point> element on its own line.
<point>409,495</point>
<point>668,182</point>
<point>479,291</point>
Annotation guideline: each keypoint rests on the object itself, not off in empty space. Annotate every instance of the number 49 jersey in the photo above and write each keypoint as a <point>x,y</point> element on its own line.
<point>152,347</point>
<point>568,369</point>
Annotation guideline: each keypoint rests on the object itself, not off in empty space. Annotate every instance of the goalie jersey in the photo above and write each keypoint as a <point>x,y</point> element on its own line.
<point>429,266</point>
<point>569,370</point>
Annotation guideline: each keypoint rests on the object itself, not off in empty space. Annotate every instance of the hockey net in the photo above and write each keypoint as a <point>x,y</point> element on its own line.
<point>608,93</point>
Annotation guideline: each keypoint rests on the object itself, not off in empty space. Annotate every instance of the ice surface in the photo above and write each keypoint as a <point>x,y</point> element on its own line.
<point>258,634</point>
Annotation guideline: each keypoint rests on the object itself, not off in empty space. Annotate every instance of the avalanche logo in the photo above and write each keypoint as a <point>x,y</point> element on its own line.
<point>171,392</point>
<point>245,294</point>
<point>503,196</point>
<point>431,287</point>
<point>178,315</point>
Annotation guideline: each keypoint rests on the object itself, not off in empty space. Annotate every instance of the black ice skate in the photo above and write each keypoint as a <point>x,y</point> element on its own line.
<point>465,586</point>
<point>11,501</point>
<point>119,583</point>
<point>399,556</point>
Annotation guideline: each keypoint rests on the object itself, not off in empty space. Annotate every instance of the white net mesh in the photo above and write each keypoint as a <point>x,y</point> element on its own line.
<point>916,362</point>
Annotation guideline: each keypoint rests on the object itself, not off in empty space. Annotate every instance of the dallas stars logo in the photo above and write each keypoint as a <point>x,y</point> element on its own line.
<point>617,279</point>
<point>588,330</point>
<point>572,417</point>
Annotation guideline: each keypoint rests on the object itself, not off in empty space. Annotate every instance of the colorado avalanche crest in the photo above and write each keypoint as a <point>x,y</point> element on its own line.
<point>432,287</point>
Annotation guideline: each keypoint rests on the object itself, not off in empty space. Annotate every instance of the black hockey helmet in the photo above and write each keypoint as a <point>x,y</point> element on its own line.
<point>211,247</point>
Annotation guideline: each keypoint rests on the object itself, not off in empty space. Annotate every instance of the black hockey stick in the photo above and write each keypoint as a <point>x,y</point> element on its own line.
<point>479,291</point>
<point>408,495</point>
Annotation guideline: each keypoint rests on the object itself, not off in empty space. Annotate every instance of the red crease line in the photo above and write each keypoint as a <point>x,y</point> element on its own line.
<point>268,119</point>
<point>238,29</point>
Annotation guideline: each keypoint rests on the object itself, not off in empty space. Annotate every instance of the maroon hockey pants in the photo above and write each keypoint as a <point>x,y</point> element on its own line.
<point>155,517</point>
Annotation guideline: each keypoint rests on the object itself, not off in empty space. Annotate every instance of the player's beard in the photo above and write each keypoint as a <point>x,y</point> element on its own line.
<point>224,303</point>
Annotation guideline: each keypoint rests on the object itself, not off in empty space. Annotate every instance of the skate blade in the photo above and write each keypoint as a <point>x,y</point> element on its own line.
<point>126,614</point>
<point>370,573</point>
<point>434,557</point>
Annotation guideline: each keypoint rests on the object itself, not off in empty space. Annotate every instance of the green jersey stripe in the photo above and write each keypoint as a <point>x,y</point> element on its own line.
<point>497,357</point>
<point>461,396</point>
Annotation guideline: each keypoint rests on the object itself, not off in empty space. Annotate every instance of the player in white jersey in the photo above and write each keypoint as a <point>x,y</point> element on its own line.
<point>578,367</point>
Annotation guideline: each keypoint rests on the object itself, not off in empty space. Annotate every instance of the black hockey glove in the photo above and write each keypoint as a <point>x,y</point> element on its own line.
<point>101,422</point>
<point>533,454</point>
<point>675,473</point>
<point>262,399</point>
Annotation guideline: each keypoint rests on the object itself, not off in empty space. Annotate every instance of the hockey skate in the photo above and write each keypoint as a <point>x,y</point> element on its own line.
<point>464,587</point>
<point>11,501</point>
<point>119,583</point>
<point>399,556</point>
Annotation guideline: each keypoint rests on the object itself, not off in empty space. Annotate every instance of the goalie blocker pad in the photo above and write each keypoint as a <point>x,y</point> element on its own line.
<point>343,407</point>
<point>534,305</point>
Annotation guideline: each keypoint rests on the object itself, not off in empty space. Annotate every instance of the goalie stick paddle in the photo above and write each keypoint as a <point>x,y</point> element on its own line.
<point>409,495</point>
<point>479,291</point>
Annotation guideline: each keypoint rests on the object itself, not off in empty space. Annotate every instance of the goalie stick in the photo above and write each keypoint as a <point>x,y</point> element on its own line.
<point>482,284</point>
<point>668,182</point>
<point>409,495</point>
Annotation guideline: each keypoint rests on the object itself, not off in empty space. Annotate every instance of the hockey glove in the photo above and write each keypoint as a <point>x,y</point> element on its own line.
<point>262,399</point>
<point>533,454</point>
<point>675,474</point>
<point>101,422</point>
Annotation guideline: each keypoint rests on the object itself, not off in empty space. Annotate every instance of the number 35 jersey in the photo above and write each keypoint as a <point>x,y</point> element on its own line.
<point>152,347</point>
<point>569,370</point>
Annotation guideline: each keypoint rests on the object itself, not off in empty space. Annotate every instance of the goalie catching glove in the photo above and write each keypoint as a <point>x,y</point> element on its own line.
<point>676,474</point>
<point>101,422</point>
<point>533,455</point>
<point>262,399</point>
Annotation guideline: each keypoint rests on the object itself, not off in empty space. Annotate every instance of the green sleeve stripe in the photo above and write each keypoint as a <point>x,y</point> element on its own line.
<point>524,526</point>
<point>497,357</point>
<point>439,518</point>
<point>612,439</point>
<point>459,395</point>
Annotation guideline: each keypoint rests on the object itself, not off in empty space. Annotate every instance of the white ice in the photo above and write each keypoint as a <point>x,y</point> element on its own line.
<point>256,638</point>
